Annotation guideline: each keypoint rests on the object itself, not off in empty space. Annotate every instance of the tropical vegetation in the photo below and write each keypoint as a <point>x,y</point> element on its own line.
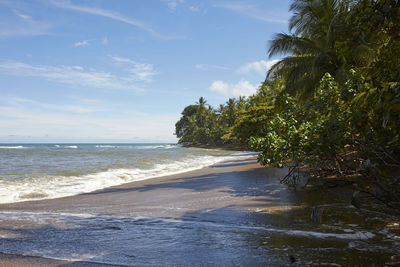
<point>330,106</point>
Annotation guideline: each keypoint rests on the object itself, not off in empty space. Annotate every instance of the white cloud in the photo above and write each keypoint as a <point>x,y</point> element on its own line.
<point>86,108</point>
<point>242,88</point>
<point>260,67</point>
<point>17,31</point>
<point>194,8</point>
<point>220,87</point>
<point>173,4</point>
<point>22,121</point>
<point>104,41</point>
<point>77,67</point>
<point>22,25</point>
<point>209,66</point>
<point>143,71</point>
<point>22,16</point>
<point>198,8</point>
<point>22,117</point>
<point>255,12</point>
<point>101,12</point>
<point>79,77</point>
<point>82,43</point>
<point>111,15</point>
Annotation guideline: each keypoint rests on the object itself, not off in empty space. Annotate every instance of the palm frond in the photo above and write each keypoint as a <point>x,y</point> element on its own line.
<point>291,44</point>
<point>296,72</point>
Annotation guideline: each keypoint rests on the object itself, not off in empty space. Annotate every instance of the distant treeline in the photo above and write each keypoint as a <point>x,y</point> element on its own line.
<point>332,103</point>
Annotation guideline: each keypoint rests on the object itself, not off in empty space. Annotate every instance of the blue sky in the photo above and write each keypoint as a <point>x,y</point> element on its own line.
<point>123,70</point>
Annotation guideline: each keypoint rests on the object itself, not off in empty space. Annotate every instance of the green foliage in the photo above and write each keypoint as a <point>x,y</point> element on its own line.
<point>282,140</point>
<point>332,103</point>
<point>337,118</point>
<point>233,123</point>
<point>250,123</point>
<point>302,133</point>
<point>311,51</point>
<point>198,125</point>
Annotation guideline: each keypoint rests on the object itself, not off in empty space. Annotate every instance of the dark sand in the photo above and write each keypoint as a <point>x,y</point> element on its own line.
<point>223,192</point>
<point>231,214</point>
<point>239,184</point>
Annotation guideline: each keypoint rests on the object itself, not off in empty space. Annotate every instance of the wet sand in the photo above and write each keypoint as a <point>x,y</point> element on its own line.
<point>233,213</point>
<point>225,187</point>
<point>236,183</point>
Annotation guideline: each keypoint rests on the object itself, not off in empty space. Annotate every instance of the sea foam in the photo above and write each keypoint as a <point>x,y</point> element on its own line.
<point>11,147</point>
<point>61,186</point>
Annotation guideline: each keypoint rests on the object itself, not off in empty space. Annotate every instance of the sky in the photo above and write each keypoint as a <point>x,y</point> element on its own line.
<point>123,70</point>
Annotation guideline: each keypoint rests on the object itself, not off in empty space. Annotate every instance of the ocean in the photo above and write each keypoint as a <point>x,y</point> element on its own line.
<point>233,214</point>
<point>44,171</point>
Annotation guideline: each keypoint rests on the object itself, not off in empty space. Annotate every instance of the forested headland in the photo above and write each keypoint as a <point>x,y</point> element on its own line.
<point>330,107</point>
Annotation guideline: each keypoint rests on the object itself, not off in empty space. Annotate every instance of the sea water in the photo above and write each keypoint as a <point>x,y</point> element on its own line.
<point>263,223</point>
<point>43,171</point>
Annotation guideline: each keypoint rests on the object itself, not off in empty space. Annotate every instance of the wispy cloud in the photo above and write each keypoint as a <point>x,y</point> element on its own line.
<point>76,75</point>
<point>20,31</point>
<point>20,120</point>
<point>82,43</point>
<point>242,88</point>
<point>104,41</point>
<point>111,15</point>
<point>81,118</point>
<point>254,12</point>
<point>173,4</point>
<point>142,71</point>
<point>22,25</point>
<point>260,67</point>
<point>69,108</point>
<point>197,9</point>
<point>194,8</point>
<point>22,16</point>
<point>210,66</point>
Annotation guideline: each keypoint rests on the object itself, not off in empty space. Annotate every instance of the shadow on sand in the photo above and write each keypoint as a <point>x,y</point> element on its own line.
<point>255,235</point>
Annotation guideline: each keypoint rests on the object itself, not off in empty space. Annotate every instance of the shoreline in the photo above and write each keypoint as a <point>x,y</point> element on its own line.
<point>102,179</point>
<point>240,165</point>
<point>232,213</point>
<point>228,147</point>
<point>171,196</point>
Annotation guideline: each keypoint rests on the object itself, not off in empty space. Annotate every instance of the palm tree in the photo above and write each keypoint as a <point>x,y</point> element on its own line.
<point>201,103</point>
<point>201,111</point>
<point>311,47</point>
<point>231,111</point>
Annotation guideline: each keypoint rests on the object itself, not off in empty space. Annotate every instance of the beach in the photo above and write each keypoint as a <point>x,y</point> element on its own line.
<point>199,133</point>
<point>234,213</point>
